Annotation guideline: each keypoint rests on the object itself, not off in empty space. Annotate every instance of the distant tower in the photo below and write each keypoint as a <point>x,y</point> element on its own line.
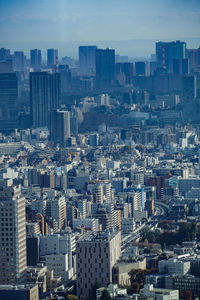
<point>8,103</point>
<point>105,67</point>
<point>19,61</point>
<point>12,234</point>
<point>87,60</point>
<point>60,126</point>
<point>44,96</point>
<point>52,57</point>
<point>36,58</point>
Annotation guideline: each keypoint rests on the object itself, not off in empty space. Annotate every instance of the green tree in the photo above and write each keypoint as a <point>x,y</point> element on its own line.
<point>72,297</point>
<point>105,295</point>
<point>93,292</point>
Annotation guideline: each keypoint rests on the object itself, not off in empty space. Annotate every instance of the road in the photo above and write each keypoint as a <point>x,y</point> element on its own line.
<point>161,211</point>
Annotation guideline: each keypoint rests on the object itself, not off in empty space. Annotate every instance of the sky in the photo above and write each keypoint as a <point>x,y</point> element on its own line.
<point>67,21</point>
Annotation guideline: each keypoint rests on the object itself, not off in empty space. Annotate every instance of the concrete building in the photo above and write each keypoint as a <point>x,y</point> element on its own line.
<point>96,255</point>
<point>59,127</point>
<point>174,266</point>
<point>36,58</point>
<point>87,60</point>
<point>44,96</point>
<point>122,268</point>
<point>56,209</point>
<point>127,225</point>
<point>12,234</point>
<point>52,57</point>
<point>59,245</point>
<point>8,104</point>
<point>158,294</point>
<point>19,292</point>
<point>88,224</point>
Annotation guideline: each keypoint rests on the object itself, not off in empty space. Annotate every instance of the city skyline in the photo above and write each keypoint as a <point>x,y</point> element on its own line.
<point>48,23</point>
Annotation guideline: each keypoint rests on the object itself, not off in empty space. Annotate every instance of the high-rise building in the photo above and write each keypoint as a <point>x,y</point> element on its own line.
<point>8,103</point>
<point>12,234</point>
<point>87,60</point>
<point>44,96</point>
<point>36,58</point>
<point>96,255</point>
<point>125,69</point>
<point>140,68</point>
<point>19,61</point>
<point>4,54</point>
<point>60,126</point>
<point>52,57</point>
<point>105,67</point>
<point>56,209</point>
<point>166,52</point>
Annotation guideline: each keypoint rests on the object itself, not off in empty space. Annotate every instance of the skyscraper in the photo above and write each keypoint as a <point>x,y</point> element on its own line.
<point>87,60</point>
<point>36,58</point>
<point>44,96</point>
<point>105,67</point>
<point>60,126</point>
<point>96,255</point>
<point>8,103</point>
<point>140,68</point>
<point>12,234</point>
<point>166,52</point>
<point>52,57</point>
<point>19,61</point>
<point>4,54</point>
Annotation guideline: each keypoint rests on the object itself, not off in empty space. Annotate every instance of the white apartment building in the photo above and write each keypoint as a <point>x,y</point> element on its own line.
<point>12,234</point>
<point>159,294</point>
<point>174,266</point>
<point>59,244</point>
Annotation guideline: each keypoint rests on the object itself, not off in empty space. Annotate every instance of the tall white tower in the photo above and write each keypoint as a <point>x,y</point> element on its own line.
<point>12,234</point>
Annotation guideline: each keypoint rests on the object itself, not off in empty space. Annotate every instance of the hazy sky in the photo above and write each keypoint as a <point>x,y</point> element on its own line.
<point>82,20</point>
<point>97,20</point>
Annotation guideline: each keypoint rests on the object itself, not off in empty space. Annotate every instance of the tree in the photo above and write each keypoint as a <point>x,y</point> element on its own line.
<point>105,295</point>
<point>72,297</point>
<point>93,292</point>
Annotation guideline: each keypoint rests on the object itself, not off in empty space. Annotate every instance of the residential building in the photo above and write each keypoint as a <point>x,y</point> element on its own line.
<point>13,234</point>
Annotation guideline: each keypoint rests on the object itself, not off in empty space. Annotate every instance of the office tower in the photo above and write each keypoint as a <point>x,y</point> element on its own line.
<point>36,58</point>
<point>19,61</point>
<point>65,78</point>
<point>44,96</point>
<point>56,209</point>
<point>125,69</point>
<point>96,255</point>
<point>105,67</point>
<point>87,60</point>
<point>166,52</point>
<point>4,54</point>
<point>60,126</point>
<point>189,87</point>
<point>52,57</point>
<point>6,66</point>
<point>180,66</point>
<point>140,68</point>
<point>192,58</point>
<point>8,103</point>
<point>12,234</point>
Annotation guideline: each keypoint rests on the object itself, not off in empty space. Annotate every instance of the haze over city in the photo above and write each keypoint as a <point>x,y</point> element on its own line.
<point>131,27</point>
